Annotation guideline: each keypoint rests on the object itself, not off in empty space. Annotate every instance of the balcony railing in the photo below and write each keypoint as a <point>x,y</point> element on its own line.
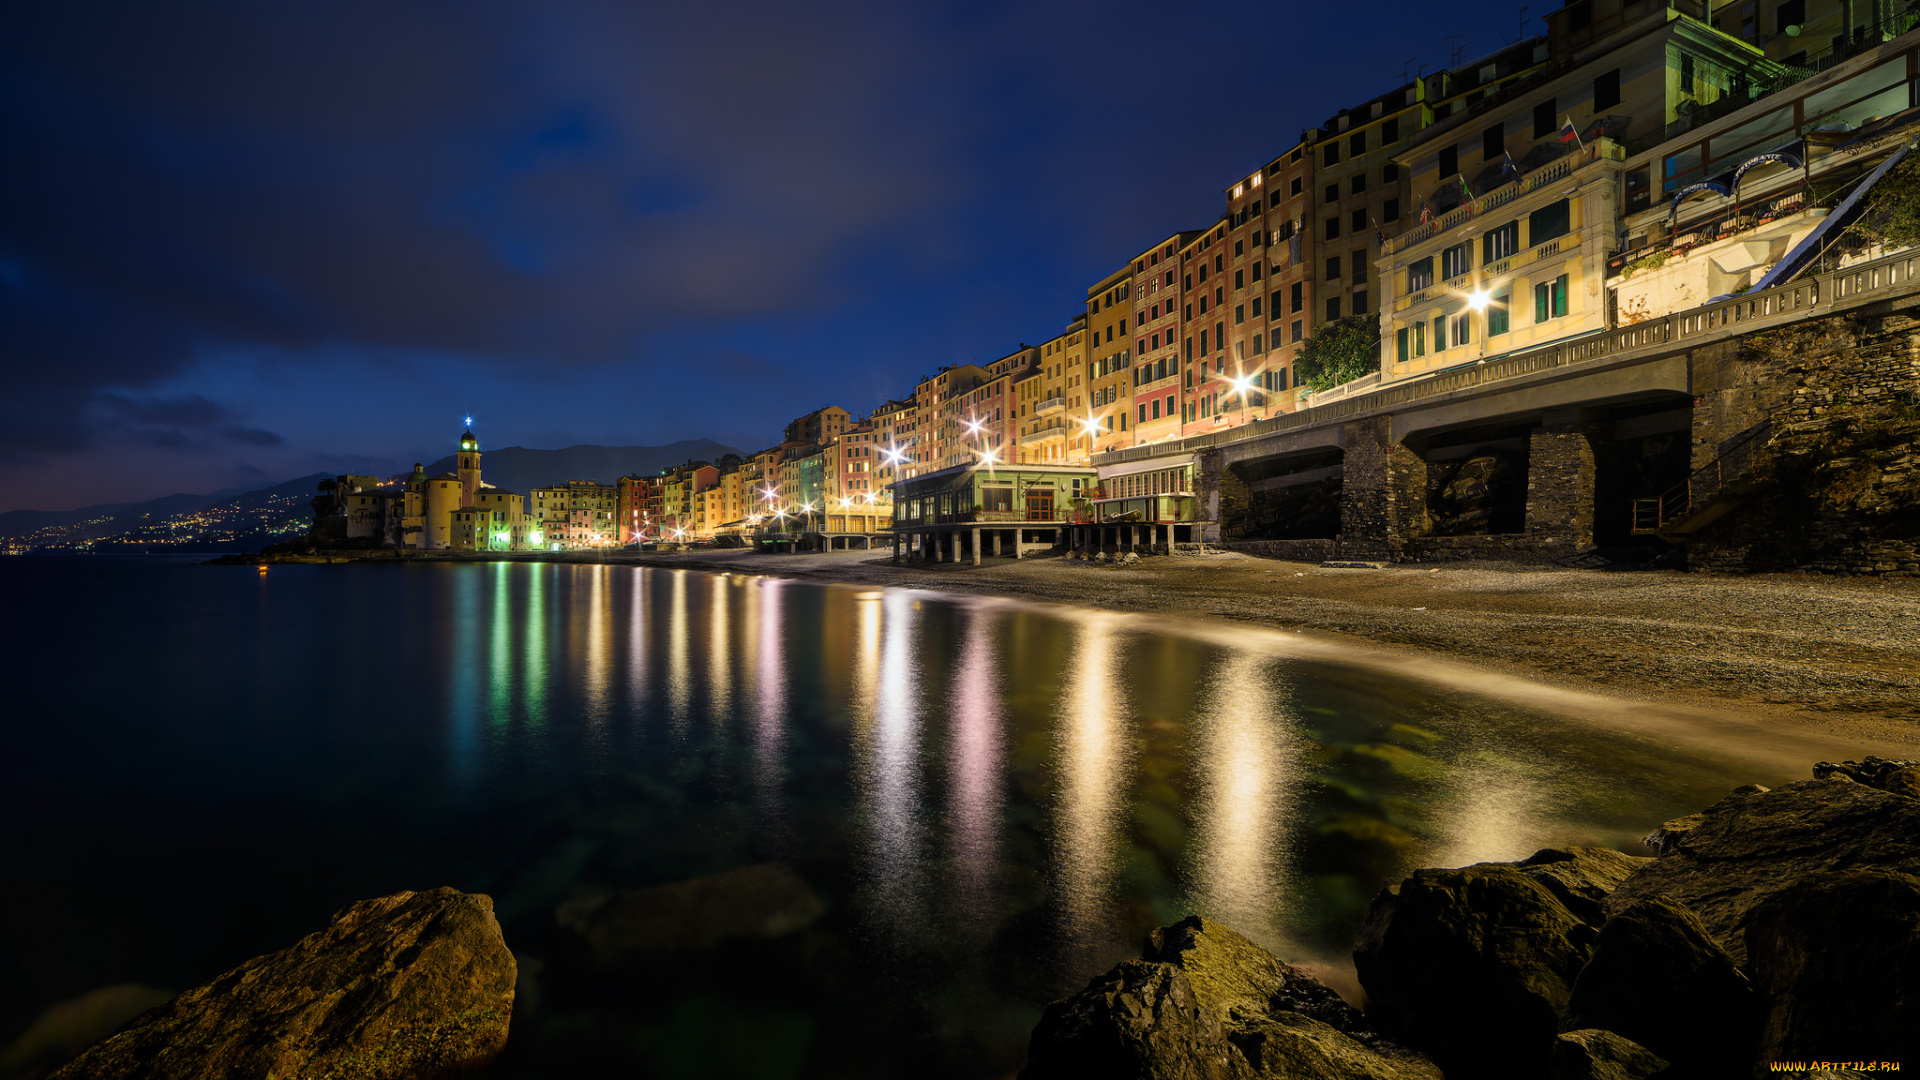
<point>1600,150</point>
<point>1503,267</point>
<point>1048,405</point>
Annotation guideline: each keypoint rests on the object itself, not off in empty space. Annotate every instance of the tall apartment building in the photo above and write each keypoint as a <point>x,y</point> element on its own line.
<point>1109,358</point>
<point>990,423</point>
<point>893,428</point>
<point>1288,248</point>
<point>819,426</point>
<point>1361,194</point>
<point>936,400</point>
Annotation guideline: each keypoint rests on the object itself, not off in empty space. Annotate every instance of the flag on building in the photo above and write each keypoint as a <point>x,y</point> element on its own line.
<point>1426,214</point>
<point>1511,167</point>
<point>1569,133</point>
<point>1466,195</point>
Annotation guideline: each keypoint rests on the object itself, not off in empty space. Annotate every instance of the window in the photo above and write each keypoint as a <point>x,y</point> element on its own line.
<point>1156,408</point>
<point>1411,342</point>
<point>1359,222</point>
<point>1547,223</point>
<point>1550,299</point>
<point>1189,281</point>
<point>996,498</point>
<point>1143,412</point>
<point>1256,307</point>
<point>1295,186</point>
<point>1240,247</point>
<point>1294,330</point>
<point>1390,133</point>
<point>1440,333</point>
<point>1500,243</point>
<point>1389,173</point>
<point>1357,143</point>
<point>1239,314</point>
<point>1606,90</point>
<point>1333,193</point>
<point>1257,350</point>
<point>1449,161</point>
<point>1239,279</point>
<point>1420,275</point>
<point>1203,273</point>
<point>1545,122</point>
<point>1358,184</point>
<point>1256,271</point>
<point>1493,142</point>
<point>1331,155</point>
<point>1359,268</point>
<point>1390,210</point>
<point>1332,228</point>
<point>1333,309</point>
<point>1456,260</point>
<point>1360,302</point>
<point>1296,297</point>
<point>1333,268</point>
<point>1463,329</point>
<point>1686,75</point>
<point>1791,13</point>
<point>1219,263</point>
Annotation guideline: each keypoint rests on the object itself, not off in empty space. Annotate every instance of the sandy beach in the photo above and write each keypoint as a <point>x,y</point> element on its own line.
<point>1813,652</point>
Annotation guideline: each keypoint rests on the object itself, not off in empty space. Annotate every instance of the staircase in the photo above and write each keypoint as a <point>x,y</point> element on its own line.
<point>1707,495</point>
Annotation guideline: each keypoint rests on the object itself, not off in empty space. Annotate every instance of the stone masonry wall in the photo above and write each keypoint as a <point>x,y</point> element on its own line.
<point>1383,496</point>
<point>1560,481</point>
<point>1836,488</point>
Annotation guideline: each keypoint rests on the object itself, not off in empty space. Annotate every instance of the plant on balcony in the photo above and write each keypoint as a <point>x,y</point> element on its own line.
<point>1339,352</point>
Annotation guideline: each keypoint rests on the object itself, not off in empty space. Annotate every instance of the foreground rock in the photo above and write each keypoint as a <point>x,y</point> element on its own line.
<point>1658,979</point>
<point>1204,1003</point>
<point>408,985</point>
<point>1838,962</point>
<point>1755,843</point>
<point>762,901</point>
<point>1589,1054</point>
<point>1473,966</point>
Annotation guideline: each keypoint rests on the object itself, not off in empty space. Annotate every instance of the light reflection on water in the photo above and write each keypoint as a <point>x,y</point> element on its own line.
<point>992,801</point>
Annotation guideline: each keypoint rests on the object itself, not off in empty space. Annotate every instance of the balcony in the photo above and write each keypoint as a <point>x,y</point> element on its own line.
<point>1459,286</point>
<point>1599,151</point>
<point>1052,404</point>
<point>1046,431</point>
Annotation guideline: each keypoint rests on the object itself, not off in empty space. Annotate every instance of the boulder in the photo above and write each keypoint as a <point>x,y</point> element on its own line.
<point>1903,782</point>
<point>1472,966</point>
<point>762,901</point>
<point>415,984</point>
<point>1581,877</point>
<point>1750,846</point>
<point>1590,1054</point>
<point>1658,979</point>
<point>1203,1001</point>
<point>1141,1021</point>
<point>1874,772</point>
<point>1837,960</point>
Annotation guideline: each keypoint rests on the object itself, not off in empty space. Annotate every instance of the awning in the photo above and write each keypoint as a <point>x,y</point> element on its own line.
<point>1789,155</point>
<point>1715,186</point>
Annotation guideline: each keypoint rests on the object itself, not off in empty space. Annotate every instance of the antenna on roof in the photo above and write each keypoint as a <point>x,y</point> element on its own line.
<point>1454,50</point>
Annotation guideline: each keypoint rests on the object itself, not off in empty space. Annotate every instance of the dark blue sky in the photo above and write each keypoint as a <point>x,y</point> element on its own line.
<point>243,242</point>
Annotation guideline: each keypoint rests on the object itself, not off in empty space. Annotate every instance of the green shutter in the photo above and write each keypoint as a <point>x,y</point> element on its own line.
<point>1540,303</point>
<point>1440,333</point>
<point>1403,344</point>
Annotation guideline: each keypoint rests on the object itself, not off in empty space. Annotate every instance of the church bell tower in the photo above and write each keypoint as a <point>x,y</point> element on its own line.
<point>469,467</point>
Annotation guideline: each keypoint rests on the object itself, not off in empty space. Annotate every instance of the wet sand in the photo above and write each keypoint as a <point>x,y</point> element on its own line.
<point>1813,655</point>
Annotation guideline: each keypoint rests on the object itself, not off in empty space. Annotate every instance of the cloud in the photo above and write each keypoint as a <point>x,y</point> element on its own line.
<point>247,436</point>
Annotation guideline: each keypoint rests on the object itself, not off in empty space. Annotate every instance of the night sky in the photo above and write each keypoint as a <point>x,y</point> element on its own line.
<point>244,242</point>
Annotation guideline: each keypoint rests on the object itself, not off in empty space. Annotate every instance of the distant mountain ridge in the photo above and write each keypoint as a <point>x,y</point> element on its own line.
<point>519,469</point>
<point>112,517</point>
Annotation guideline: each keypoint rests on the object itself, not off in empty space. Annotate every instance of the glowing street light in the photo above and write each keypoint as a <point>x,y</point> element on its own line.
<point>1478,299</point>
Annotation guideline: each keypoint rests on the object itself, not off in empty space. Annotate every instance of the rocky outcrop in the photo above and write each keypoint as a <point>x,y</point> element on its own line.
<point>417,984</point>
<point>1898,777</point>
<point>1747,847</point>
<point>1837,960</point>
<point>1204,1003</point>
<point>1473,966</point>
<point>1589,1054</point>
<point>763,901</point>
<point>1581,877</point>
<point>1658,979</point>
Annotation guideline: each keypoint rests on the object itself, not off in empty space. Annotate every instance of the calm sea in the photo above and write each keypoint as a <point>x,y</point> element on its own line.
<point>991,802</point>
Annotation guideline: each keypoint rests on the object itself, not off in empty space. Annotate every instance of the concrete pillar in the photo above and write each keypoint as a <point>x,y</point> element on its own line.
<point>1383,493</point>
<point>1561,471</point>
<point>976,546</point>
<point>1016,543</point>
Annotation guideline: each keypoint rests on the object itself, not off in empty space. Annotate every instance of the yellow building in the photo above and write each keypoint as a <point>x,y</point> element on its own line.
<point>1525,219</point>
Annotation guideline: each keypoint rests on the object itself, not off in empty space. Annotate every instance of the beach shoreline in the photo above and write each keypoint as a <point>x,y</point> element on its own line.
<point>1811,652</point>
